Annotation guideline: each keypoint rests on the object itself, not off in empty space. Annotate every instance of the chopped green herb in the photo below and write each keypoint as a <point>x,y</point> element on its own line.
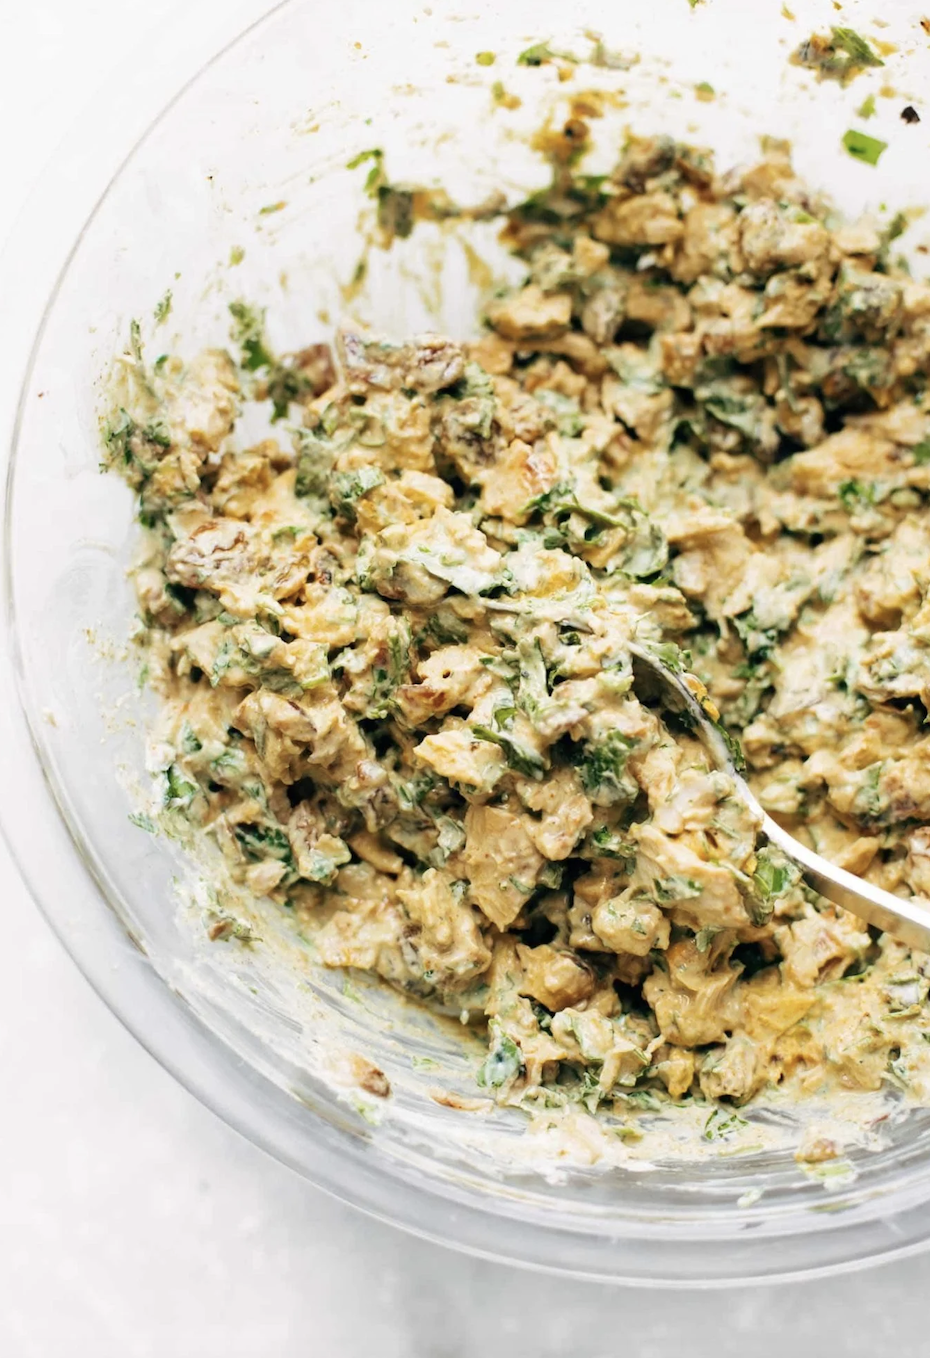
<point>485,58</point>
<point>864,148</point>
<point>856,496</point>
<point>316,454</point>
<point>179,790</point>
<point>858,50</point>
<point>317,866</point>
<point>705,937</point>
<point>649,1100</point>
<point>532,683</point>
<point>249,333</point>
<point>759,641</point>
<point>734,747</point>
<point>773,878</point>
<point>271,207</point>
<point>561,499</point>
<point>265,841</point>
<point>867,108</point>
<point>387,677</point>
<point>504,1061</point>
<point>565,411</point>
<point>602,767</point>
<point>675,887</point>
<point>229,766</point>
<point>445,629</point>
<point>136,451</point>
<point>503,716</point>
<point>609,843</point>
<point>535,56</point>
<point>520,756</point>
<point>722,1123</point>
<point>450,839</point>
<point>871,801</point>
<point>286,384</point>
<point>143,822</point>
<point>135,340</point>
<point>668,654</point>
<point>375,180</point>
<point>347,488</point>
<point>189,742</point>
<point>375,154</point>
<point>163,308</point>
<point>746,413</point>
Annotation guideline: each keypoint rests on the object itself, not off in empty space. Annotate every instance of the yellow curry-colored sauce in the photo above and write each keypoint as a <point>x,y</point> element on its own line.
<point>393,644</point>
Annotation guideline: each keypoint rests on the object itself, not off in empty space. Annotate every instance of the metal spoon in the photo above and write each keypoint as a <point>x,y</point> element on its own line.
<point>904,920</point>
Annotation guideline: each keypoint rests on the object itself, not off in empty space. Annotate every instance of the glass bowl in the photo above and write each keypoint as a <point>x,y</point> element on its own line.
<point>242,188</point>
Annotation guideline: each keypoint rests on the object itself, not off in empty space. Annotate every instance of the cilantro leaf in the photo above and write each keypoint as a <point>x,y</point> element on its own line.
<point>608,843</point>
<point>774,877</point>
<point>265,841</point>
<point>391,671</point>
<point>504,1061</point>
<point>521,758</point>
<point>179,790</point>
<point>602,767</point>
<point>346,488</point>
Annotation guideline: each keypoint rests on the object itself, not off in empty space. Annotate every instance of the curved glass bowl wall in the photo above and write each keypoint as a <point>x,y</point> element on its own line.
<point>241,189</point>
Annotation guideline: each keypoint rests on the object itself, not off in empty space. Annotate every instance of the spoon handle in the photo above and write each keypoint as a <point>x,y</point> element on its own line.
<point>905,920</point>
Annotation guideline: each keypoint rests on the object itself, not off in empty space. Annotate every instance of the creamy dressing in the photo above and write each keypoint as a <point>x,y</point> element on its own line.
<point>393,645</point>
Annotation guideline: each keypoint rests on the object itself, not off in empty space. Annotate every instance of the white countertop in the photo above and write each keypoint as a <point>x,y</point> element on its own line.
<point>133,1222</point>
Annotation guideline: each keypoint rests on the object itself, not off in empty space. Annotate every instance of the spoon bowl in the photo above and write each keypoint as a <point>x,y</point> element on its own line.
<point>908,921</point>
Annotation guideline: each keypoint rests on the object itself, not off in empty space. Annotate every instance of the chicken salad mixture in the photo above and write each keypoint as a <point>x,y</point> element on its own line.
<point>393,640</point>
